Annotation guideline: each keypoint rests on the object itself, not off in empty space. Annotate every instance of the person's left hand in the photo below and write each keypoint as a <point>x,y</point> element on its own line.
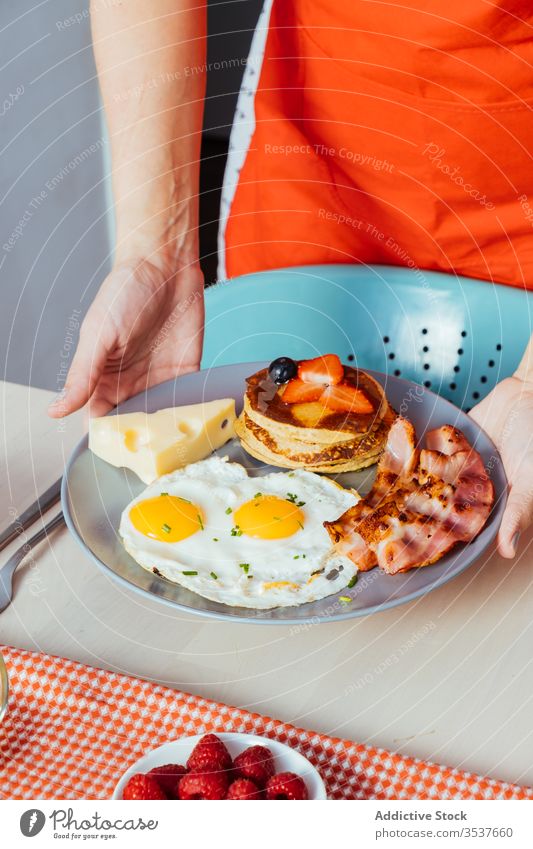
<point>506,415</point>
<point>144,326</point>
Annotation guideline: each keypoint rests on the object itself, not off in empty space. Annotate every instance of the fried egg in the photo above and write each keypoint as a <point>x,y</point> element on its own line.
<point>252,542</point>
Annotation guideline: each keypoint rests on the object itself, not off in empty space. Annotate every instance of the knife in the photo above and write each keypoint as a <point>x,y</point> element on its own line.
<point>31,514</point>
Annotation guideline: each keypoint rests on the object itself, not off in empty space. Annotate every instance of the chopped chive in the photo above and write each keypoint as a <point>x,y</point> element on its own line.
<point>236,531</point>
<point>293,498</point>
<point>250,577</point>
<point>189,573</point>
<point>214,576</point>
<point>304,556</point>
<point>302,527</point>
<point>200,522</point>
<point>228,511</point>
<point>166,528</point>
<point>215,539</point>
<point>296,557</point>
<point>290,475</point>
<point>245,567</point>
<point>164,493</point>
<point>345,599</point>
<point>277,518</point>
<point>258,495</point>
<point>353,581</point>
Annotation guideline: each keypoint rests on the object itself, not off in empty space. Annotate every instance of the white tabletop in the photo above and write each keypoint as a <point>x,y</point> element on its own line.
<point>447,678</point>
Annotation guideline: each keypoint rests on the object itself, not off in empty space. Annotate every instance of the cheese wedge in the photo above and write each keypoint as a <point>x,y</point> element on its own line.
<point>155,444</point>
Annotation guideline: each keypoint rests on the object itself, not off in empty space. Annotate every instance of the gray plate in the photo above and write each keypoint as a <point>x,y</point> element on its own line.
<point>95,493</point>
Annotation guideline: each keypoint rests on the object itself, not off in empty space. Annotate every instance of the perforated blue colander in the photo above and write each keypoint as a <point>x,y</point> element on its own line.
<point>456,336</point>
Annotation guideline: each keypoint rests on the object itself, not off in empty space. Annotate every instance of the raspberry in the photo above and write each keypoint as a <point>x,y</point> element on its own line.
<point>167,777</point>
<point>209,755</point>
<point>243,788</point>
<point>255,763</point>
<point>203,785</point>
<point>142,787</point>
<point>286,785</point>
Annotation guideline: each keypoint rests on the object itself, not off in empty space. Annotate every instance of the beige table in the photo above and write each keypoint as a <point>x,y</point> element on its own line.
<point>448,677</point>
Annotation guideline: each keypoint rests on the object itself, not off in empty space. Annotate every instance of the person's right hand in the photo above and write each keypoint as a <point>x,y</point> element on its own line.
<point>144,326</point>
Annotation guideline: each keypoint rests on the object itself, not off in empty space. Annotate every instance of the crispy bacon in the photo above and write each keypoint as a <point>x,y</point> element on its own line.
<point>398,461</point>
<point>422,503</point>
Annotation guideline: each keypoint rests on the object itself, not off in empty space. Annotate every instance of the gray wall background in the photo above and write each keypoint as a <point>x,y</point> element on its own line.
<point>55,233</point>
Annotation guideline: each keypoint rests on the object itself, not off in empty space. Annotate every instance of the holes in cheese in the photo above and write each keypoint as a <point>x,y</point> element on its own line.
<point>130,439</point>
<point>155,444</point>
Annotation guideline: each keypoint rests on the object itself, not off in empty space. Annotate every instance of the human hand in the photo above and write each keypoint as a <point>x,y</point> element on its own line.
<point>506,414</point>
<point>144,326</point>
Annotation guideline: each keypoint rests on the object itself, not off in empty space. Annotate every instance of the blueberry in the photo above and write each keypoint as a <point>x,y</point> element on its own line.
<point>282,370</point>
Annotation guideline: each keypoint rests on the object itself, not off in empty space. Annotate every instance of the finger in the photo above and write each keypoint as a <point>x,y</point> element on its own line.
<point>484,412</point>
<point>83,376</point>
<point>99,407</point>
<point>100,403</point>
<point>516,518</point>
<point>96,407</point>
<point>118,386</point>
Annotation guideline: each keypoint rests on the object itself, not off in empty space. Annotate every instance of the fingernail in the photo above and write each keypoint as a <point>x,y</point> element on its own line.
<point>515,539</point>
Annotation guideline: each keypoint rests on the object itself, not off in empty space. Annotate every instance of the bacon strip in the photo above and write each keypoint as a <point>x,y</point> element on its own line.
<point>421,505</point>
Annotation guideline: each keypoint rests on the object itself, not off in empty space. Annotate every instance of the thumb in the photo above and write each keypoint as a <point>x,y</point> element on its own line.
<point>84,373</point>
<point>516,518</point>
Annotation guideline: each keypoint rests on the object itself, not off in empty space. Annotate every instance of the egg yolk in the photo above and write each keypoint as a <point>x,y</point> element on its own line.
<point>167,518</point>
<point>269,517</point>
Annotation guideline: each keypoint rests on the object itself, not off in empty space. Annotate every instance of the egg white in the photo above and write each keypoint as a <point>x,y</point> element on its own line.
<point>306,559</point>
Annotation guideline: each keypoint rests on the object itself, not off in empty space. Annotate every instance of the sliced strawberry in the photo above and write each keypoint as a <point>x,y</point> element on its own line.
<point>297,391</point>
<point>347,399</point>
<point>327,370</point>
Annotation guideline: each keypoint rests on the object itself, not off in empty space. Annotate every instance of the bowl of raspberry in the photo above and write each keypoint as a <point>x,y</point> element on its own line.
<point>227,765</point>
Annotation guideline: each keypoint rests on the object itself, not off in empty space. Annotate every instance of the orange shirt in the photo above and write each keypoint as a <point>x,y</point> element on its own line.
<point>391,133</point>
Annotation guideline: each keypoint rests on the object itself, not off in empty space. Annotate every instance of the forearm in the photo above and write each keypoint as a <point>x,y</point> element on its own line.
<point>151,59</point>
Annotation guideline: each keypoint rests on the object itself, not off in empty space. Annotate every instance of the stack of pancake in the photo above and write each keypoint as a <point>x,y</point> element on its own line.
<point>309,435</point>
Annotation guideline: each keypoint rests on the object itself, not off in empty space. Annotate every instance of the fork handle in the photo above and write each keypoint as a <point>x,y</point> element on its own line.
<point>8,569</point>
<point>40,506</point>
<point>40,535</point>
<point>53,523</point>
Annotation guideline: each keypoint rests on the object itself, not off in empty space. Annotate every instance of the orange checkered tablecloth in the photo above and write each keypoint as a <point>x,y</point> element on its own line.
<point>71,731</point>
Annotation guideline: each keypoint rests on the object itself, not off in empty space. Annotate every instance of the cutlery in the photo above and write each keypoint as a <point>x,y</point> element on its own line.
<point>41,505</point>
<point>8,570</point>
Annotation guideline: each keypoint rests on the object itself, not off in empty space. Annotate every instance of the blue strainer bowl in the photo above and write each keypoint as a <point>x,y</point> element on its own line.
<point>456,336</point>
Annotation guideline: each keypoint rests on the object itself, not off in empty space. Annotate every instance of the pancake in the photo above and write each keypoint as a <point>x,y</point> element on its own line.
<point>333,460</point>
<point>308,435</point>
<point>262,399</point>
